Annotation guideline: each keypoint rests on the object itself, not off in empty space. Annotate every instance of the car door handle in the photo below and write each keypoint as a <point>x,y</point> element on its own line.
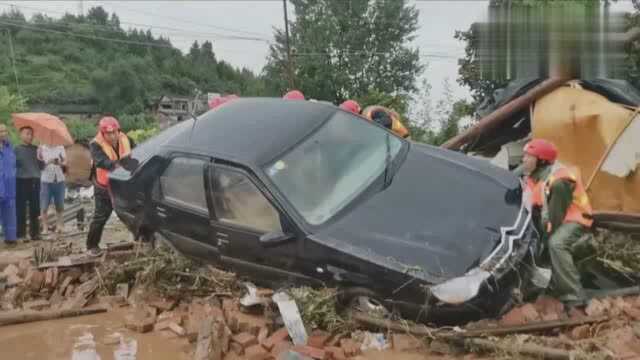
<point>162,212</point>
<point>222,238</point>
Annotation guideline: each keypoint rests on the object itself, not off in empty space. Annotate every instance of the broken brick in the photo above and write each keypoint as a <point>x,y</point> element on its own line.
<point>263,334</point>
<point>318,339</point>
<point>236,348</point>
<point>139,321</point>
<point>580,332</point>
<point>549,308</point>
<point>256,352</point>
<point>281,347</point>
<point>111,301</point>
<point>13,280</point>
<point>163,304</point>
<point>275,338</point>
<point>65,282</point>
<point>595,308</point>
<point>350,347</point>
<point>246,322</point>
<point>245,340</point>
<point>618,305</point>
<point>576,313</point>
<point>69,290</point>
<point>34,280</point>
<point>24,266</point>
<point>335,353</point>
<point>309,351</point>
<point>440,347</point>
<point>632,313</point>
<point>51,277</point>
<point>520,315</point>
<point>11,269</point>
<point>405,342</point>
<point>179,330</point>
<point>164,323</point>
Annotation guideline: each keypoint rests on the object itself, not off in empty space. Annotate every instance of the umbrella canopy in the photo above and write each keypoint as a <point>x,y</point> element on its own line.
<point>47,128</point>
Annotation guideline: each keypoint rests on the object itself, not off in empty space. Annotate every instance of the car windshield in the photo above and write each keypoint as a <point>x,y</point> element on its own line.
<point>335,164</point>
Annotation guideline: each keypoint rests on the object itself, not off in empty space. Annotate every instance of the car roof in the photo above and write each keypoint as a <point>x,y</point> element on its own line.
<point>253,130</point>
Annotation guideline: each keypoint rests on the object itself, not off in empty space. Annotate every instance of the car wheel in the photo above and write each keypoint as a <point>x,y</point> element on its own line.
<point>364,301</point>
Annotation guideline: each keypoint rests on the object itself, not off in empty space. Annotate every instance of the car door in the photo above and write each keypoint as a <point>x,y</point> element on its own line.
<point>243,211</point>
<point>182,208</point>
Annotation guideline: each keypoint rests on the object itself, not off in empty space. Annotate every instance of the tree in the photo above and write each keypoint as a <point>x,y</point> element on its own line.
<point>120,89</point>
<point>98,15</point>
<point>57,69</point>
<point>347,49</point>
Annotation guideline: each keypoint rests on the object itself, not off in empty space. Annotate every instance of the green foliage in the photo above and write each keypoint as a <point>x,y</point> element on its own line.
<point>141,135</point>
<point>80,129</point>
<point>10,103</point>
<point>118,78</point>
<point>347,49</point>
<point>136,122</point>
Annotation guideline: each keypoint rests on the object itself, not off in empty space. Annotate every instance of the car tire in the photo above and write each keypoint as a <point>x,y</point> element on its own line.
<point>358,299</point>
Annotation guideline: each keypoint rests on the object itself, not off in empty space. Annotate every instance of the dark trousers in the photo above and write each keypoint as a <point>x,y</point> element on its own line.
<point>28,196</point>
<point>101,213</point>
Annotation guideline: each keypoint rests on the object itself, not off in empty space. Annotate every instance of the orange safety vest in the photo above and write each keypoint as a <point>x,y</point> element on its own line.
<point>580,210</point>
<point>124,148</point>
<point>396,125</point>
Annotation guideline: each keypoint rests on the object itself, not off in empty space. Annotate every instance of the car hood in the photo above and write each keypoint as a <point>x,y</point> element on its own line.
<point>440,216</point>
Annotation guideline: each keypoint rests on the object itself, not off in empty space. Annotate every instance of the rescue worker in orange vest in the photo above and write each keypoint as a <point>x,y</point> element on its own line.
<point>387,118</point>
<point>561,211</point>
<point>108,149</point>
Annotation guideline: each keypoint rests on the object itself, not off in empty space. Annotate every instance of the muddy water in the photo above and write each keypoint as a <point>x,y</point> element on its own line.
<point>87,338</point>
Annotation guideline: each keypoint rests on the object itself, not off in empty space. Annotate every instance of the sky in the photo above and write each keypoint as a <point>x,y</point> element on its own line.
<point>240,29</point>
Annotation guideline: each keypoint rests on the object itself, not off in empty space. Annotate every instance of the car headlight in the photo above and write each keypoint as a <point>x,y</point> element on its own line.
<point>461,289</point>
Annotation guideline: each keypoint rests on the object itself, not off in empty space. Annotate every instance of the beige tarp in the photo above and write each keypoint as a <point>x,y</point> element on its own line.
<point>597,136</point>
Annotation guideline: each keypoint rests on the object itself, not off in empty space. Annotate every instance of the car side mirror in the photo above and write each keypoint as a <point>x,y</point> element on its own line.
<point>275,238</point>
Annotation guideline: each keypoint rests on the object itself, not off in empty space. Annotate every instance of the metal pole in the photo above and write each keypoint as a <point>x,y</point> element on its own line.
<point>287,44</point>
<point>13,61</point>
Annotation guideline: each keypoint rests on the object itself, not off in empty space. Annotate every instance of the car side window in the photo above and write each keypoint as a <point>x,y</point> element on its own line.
<point>182,183</point>
<point>238,201</point>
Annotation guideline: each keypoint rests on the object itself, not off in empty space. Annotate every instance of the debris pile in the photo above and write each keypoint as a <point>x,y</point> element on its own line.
<point>175,297</point>
<point>618,251</point>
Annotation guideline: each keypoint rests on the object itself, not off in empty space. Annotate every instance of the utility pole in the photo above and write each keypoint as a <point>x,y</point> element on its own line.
<point>80,8</point>
<point>13,60</point>
<point>287,44</point>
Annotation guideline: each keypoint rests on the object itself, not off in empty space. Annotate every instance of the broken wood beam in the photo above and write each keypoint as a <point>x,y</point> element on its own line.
<point>369,321</point>
<point>535,351</point>
<point>533,327</point>
<point>421,330</point>
<point>501,114</point>
<point>22,317</point>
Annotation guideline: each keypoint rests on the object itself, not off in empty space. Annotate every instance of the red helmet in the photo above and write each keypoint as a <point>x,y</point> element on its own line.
<point>217,101</point>
<point>351,105</point>
<point>542,149</point>
<point>294,95</point>
<point>109,124</point>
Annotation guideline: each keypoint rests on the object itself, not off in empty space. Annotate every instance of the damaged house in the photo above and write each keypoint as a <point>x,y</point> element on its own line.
<point>594,123</point>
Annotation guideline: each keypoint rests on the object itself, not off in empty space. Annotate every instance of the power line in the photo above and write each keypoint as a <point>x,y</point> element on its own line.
<point>90,37</point>
<point>108,28</point>
<point>187,21</point>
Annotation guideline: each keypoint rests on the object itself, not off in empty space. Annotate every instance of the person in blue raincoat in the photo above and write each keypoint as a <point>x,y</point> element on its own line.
<point>7,187</point>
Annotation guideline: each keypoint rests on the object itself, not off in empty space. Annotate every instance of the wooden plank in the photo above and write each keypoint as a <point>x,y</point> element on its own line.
<point>535,351</point>
<point>501,114</point>
<point>31,316</point>
<point>421,330</point>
